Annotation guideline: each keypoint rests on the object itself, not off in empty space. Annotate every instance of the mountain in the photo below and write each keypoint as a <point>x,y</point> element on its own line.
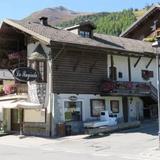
<point>112,23</point>
<point>55,15</point>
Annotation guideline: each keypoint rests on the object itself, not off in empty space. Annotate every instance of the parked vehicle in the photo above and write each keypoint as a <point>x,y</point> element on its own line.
<point>105,120</point>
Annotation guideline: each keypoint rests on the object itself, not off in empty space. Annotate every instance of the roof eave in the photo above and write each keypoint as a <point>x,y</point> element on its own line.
<point>30,32</point>
<point>126,32</point>
<point>122,51</point>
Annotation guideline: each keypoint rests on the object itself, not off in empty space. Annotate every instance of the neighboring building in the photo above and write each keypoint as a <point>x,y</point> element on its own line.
<point>79,77</point>
<point>147,27</point>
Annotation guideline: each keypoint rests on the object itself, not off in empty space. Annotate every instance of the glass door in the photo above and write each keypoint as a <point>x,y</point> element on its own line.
<point>73,111</point>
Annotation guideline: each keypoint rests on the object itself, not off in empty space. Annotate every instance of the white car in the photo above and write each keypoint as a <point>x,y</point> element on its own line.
<point>105,120</point>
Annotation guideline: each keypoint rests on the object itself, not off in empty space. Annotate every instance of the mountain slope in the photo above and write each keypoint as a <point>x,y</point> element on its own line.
<point>55,15</point>
<point>112,23</point>
<point>107,23</point>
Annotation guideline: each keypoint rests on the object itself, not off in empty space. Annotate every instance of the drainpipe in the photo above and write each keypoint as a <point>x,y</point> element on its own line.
<point>50,90</point>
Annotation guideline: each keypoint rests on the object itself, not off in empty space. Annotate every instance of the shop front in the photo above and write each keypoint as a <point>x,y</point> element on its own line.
<point>17,112</point>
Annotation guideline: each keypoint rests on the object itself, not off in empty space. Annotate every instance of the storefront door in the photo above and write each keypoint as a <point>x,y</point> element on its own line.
<point>15,126</point>
<point>73,116</point>
<point>73,111</point>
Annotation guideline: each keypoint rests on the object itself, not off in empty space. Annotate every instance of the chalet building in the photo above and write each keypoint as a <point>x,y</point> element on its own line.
<point>147,27</point>
<point>80,74</point>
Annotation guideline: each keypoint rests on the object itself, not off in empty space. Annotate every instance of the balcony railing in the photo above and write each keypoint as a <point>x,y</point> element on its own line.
<point>128,88</point>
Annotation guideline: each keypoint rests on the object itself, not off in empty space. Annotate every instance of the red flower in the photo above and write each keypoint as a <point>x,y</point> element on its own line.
<point>9,89</point>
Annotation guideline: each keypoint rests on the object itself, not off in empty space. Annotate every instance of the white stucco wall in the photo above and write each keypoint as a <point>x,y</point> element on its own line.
<point>135,107</point>
<point>1,114</point>
<point>137,71</point>
<point>34,115</point>
<point>121,63</point>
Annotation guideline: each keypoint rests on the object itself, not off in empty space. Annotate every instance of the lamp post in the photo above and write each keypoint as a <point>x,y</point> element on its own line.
<point>156,44</point>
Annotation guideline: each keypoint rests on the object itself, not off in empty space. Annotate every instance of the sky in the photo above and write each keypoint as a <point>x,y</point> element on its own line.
<point>18,9</point>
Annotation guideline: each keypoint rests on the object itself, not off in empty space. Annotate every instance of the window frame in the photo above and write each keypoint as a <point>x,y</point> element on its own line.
<point>85,34</point>
<point>91,106</point>
<point>38,69</point>
<point>112,107</point>
<point>81,111</point>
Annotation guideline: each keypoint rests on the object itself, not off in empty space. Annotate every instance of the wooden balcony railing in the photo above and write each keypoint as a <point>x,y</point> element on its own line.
<point>21,88</point>
<point>128,88</point>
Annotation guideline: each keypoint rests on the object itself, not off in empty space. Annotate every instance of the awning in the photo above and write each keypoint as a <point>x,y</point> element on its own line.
<point>13,97</point>
<point>19,104</point>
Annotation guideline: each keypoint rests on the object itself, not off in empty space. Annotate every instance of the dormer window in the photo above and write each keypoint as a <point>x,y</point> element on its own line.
<point>85,34</point>
<point>84,29</point>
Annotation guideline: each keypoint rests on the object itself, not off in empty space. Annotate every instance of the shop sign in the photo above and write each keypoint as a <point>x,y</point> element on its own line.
<point>73,98</point>
<point>25,74</point>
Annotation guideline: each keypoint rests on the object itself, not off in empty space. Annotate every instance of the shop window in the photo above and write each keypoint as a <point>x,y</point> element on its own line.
<point>73,111</point>
<point>97,105</point>
<point>40,67</point>
<point>114,106</point>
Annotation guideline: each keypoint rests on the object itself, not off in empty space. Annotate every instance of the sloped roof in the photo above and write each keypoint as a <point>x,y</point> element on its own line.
<point>140,20</point>
<point>81,24</point>
<point>126,43</point>
<point>51,35</point>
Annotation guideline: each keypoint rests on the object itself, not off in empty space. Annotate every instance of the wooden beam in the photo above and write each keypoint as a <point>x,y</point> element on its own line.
<point>137,62</point>
<point>129,69</point>
<point>112,61</point>
<point>149,62</point>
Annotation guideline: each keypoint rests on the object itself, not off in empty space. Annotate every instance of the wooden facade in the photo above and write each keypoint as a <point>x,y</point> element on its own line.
<point>76,71</point>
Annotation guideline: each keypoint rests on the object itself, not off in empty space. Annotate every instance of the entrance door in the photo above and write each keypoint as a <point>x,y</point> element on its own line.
<point>15,126</point>
<point>73,111</point>
<point>147,112</point>
<point>125,108</point>
<point>73,116</point>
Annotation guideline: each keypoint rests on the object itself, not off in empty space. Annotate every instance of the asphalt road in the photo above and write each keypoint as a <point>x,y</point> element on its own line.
<point>135,144</point>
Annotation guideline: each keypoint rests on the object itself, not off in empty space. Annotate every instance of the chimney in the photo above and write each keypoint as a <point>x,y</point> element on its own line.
<point>44,21</point>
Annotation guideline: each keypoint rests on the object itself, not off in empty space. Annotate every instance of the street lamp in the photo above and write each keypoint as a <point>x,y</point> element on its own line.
<point>156,44</point>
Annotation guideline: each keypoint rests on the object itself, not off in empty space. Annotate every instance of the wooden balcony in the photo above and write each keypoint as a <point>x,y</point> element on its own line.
<point>127,88</point>
<point>21,88</point>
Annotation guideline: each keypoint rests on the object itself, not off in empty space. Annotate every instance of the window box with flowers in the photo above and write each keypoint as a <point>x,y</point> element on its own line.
<point>146,75</point>
<point>9,89</point>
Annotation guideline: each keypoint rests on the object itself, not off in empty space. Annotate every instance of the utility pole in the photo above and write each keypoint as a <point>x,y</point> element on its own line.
<point>156,44</point>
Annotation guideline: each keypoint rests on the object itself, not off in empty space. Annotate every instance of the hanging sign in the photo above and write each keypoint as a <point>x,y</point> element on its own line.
<point>25,74</point>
